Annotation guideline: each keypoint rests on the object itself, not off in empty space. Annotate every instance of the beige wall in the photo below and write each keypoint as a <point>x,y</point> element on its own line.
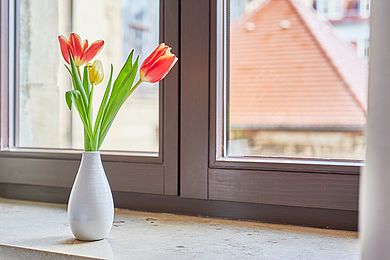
<point>44,121</point>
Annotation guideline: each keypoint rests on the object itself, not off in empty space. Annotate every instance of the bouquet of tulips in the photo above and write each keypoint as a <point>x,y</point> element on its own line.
<point>77,54</point>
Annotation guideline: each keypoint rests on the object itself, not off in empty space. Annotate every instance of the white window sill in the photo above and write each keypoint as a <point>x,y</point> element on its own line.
<point>31,230</point>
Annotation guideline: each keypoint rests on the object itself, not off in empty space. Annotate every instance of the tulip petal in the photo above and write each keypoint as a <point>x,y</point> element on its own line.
<point>92,51</point>
<point>85,45</point>
<point>160,68</point>
<point>75,41</point>
<point>161,48</point>
<point>65,48</point>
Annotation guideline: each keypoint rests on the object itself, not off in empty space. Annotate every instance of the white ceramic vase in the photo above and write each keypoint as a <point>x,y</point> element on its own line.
<point>90,207</point>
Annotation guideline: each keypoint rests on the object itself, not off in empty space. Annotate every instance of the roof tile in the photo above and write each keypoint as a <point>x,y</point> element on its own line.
<point>285,77</point>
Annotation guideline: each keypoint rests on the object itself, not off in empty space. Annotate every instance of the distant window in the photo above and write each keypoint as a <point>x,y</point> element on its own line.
<point>352,9</point>
<point>365,8</point>
<point>367,48</point>
<point>331,9</point>
<point>138,29</point>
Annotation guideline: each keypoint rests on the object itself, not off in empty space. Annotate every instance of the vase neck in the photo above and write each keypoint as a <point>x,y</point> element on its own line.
<point>91,156</point>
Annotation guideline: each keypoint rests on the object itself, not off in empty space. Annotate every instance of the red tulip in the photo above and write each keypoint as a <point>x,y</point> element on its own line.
<point>80,51</point>
<point>157,65</point>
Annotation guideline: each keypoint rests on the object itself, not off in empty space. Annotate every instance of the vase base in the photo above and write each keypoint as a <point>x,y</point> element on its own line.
<point>89,240</point>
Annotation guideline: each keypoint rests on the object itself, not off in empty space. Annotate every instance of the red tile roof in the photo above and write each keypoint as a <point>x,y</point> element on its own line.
<point>288,69</point>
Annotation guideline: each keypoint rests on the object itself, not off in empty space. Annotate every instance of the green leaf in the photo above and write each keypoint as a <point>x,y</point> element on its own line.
<point>71,75</point>
<point>87,141</point>
<point>125,86</point>
<point>78,85</point>
<point>73,97</point>
<point>102,108</point>
<point>121,78</point>
<point>126,69</point>
<point>86,81</point>
<point>90,108</point>
<point>68,99</point>
<point>70,72</point>
<point>103,134</point>
<point>123,91</point>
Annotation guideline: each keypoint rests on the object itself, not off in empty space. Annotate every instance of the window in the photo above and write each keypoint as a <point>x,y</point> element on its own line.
<point>213,135</point>
<point>331,9</point>
<point>43,80</point>
<point>292,89</point>
<point>284,176</point>
<point>41,138</point>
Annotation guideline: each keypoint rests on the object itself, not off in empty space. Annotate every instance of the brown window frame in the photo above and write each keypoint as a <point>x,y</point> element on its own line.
<point>328,184</point>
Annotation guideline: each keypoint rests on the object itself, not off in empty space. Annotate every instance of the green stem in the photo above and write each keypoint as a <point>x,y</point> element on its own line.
<point>87,146</point>
<point>87,111</point>
<point>102,109</point>
<point>136,85</point>
<point>90,115</point>
<point>78,71</point>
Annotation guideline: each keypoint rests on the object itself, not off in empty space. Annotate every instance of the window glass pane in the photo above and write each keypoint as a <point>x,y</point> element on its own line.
<point>43,119</point>
<point>297,78</point>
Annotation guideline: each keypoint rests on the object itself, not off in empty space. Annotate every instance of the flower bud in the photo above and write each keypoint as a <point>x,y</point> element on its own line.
<point>96,73</point>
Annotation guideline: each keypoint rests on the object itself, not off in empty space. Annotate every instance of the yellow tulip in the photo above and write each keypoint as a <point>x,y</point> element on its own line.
<point>96,73</point>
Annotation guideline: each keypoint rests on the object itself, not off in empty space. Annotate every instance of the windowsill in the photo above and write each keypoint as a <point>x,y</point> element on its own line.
<point>40,230</point>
